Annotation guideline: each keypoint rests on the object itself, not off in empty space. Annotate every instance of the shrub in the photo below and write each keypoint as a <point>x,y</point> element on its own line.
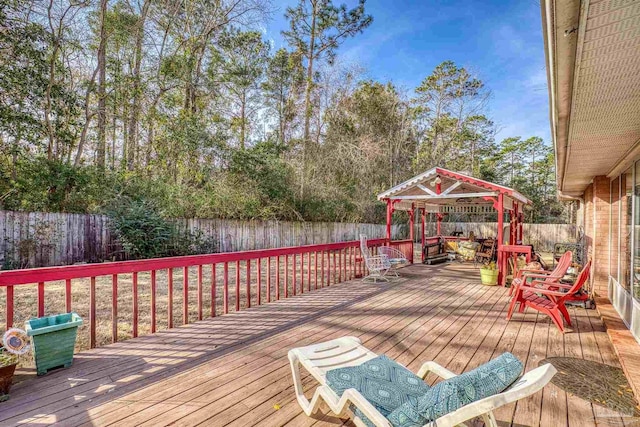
<point>144,232</point>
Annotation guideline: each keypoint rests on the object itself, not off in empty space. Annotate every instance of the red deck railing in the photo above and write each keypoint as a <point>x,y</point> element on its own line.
<point>278,274</point>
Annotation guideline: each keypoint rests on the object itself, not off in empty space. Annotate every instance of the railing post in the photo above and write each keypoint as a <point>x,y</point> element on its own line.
<point>269,279</point>
<point>225,288</point>
<point>40,299</point>
<point>213,290</point>
<point>309,271</point>
<point>277,277</point>
<point>258,281</point>
<point>67,295</point>
<point>114,308</point>
<point>153,301</point>
<point>315,270</point>
<point>170,298</point>
<point>248,285</point>
<point>322,269</point>
<point>134,310</point>
<point>92,313</point>
<point>286,276</point>
<point>199,292</point>
<point>237,285</point>
<point>295,268</point>
<point>9,318</point>
<point>185,295</point>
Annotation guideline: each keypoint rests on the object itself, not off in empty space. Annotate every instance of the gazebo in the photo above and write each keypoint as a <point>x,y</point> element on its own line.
<point>441,192</point>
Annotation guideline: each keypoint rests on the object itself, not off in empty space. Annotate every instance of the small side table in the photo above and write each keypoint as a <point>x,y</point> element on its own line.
<point>506,251</point>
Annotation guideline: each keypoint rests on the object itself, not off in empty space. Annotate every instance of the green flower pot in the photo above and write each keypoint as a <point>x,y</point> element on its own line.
<point>489,277</point>
<point>53,339</point>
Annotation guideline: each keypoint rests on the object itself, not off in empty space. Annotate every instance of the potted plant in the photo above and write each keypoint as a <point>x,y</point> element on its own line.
<point>489,274</point>
<point>53,339</point>
<point>14,343</point>
<point>8,364</point>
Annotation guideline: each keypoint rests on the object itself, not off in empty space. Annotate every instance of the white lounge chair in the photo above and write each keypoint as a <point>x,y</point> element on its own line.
<point>321,358</point>
<point>378,265</point>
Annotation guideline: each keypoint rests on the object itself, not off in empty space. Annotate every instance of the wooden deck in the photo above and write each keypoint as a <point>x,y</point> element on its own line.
<point>233,370</point>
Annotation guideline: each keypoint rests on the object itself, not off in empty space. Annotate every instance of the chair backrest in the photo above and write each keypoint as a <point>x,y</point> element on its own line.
<point>489,246</point>
<point>561,269</point>
<point>582,278</point>
<point>529,383</point>
<point>364,249</point>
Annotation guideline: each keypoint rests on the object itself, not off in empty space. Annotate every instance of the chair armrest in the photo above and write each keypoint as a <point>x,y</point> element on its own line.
<point>530,271</point>
<point>534,270</point>
<point>391,252</point>
<point>433,367</point>
<point>546,285</point>
<point>543,291</point>
<point>540,276</point>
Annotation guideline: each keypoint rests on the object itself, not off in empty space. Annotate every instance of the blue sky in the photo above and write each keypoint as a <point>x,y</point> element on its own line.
<point>499,41</point>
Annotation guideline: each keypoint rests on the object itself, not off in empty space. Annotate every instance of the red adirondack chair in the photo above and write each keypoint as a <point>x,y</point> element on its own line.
<point>556,274</point>
<point>548,297</point>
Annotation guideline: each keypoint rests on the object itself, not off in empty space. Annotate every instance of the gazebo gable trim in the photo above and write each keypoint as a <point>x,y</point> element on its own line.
<point>417,181</point>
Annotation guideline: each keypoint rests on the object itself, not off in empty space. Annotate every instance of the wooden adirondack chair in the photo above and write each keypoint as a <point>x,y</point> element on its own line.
<point>548,297</point>
<point>556,274</point>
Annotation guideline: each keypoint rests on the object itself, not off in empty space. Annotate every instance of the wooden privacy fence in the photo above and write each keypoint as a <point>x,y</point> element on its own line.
<point>38,239</point>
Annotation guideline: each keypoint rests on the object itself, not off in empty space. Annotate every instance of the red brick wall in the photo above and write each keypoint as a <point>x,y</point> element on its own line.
<point>597,212</point>
<point>615,230</point>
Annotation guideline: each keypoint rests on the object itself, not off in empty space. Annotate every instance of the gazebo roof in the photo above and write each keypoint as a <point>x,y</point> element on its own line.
<point>458,193</point>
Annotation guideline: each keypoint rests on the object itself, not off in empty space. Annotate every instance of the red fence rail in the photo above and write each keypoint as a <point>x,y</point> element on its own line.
<point>258,276</point>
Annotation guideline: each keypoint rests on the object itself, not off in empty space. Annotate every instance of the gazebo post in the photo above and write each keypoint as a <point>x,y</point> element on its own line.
<point>423,215</point>
<point>438,215</point>
<point>500,236</point>
<point>520,227</point>
<point>389,215</point>
<point>512,223</point>
<point>516,224</point>
<point>411,231</point>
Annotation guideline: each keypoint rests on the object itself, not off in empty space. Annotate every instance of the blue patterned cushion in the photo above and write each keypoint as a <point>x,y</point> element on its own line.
<point>382,381</point>
<point>449,395</point>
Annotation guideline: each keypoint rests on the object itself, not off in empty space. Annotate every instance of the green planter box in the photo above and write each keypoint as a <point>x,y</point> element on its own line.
<point>53,339</point>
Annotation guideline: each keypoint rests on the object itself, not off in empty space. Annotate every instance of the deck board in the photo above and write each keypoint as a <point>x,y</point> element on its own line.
<point>233,370</point>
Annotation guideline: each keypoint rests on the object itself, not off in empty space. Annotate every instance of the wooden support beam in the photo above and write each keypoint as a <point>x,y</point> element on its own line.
<point>426,189</point>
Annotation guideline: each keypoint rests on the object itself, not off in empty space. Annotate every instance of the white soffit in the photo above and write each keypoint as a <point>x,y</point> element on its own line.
<point>604,122</point>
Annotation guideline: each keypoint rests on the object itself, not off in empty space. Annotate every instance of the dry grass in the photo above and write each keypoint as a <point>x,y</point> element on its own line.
<point>25,299</point>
